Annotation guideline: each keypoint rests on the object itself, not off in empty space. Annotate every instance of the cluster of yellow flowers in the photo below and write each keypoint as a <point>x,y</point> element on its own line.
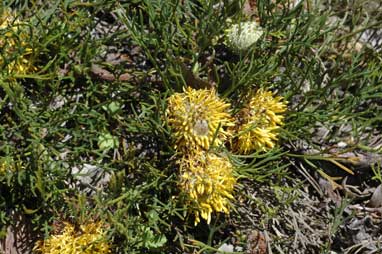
<point>200,119</point>
<point>89,239</point>
<point>15,50</point>
<point>7,165</point>
<point>3,167</point>
<point>208,182</point>
<point>258,123</point>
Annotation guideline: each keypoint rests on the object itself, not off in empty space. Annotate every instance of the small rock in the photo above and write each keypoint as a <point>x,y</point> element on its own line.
<point>342,144</point>
<point>226,248</point>
<point>376,198</point>
<point>91,176</point>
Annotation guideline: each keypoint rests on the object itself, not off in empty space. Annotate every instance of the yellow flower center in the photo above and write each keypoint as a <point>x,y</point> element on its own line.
<point>201,127</point>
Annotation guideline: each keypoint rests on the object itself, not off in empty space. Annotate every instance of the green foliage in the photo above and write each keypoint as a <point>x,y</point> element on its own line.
<point>376,168</point>
<point>96,103</point>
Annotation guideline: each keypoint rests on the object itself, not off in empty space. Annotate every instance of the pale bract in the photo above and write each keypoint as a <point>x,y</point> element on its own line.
<point>243,35</point>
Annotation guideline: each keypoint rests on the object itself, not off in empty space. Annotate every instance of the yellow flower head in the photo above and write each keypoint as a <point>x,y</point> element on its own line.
<point>258,123</point>
<point>14,49</point>
<point>207,181</point>
<point>90,239</point>
<point>3,167</point>
<point>8,165</point>
<point>196,116</point>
